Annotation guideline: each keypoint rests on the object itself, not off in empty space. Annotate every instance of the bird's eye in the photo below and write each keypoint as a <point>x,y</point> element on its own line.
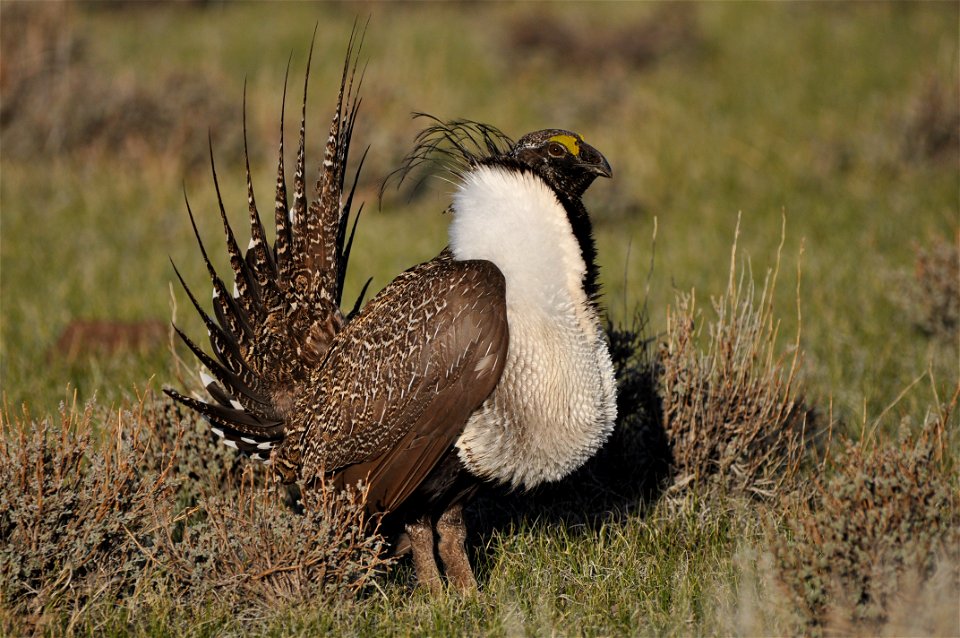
<point>556,149</point>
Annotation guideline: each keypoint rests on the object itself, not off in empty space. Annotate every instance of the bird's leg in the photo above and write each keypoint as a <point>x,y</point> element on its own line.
<point>421,542</point>
<point>453,551</point>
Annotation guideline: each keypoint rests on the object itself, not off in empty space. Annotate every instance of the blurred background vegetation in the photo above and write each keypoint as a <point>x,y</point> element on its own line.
<point>839,120</point>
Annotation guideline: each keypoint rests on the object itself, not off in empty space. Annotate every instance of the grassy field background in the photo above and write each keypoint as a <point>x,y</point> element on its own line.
<point>837,122</point>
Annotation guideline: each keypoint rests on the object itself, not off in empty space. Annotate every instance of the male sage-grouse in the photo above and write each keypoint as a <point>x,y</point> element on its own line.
<point>486,363</point>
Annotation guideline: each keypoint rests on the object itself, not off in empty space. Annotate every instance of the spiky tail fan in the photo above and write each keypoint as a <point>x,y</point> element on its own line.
<point>277,325</point>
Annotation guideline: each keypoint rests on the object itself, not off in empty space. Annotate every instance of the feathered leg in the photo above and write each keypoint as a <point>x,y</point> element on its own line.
<point>424,563</point>
<point>453,551</point>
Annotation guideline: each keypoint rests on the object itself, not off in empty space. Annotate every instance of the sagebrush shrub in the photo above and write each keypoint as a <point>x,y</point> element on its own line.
<point>236,537</point>
<point>200,464</point>
<point>887,515</point>
<point>247,549</point>
<point>108,508</point>
<point>932,123</point>
<point>75,511</point>
<point>934,293</point>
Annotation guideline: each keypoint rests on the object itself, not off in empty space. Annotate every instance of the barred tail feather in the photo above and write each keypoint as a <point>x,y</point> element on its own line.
<point>237,428</point>
<point>259,257</point>
<point>344,248</point>
<point>225,307</point>
<point>246,290</point>
<point>281,215</point>
<point>328,216</point>
<point>298,212</point>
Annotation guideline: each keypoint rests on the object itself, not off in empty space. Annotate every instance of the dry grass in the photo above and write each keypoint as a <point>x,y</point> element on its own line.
<point>731,405</point>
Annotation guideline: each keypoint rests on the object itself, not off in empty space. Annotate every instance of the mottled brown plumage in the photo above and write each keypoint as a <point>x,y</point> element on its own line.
<point>401,379</point>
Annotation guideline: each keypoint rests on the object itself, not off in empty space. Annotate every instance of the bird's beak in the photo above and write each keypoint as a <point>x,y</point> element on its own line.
<point>593,161</point>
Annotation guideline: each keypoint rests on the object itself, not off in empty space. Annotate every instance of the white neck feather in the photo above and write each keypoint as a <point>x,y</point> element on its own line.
<point>555,403</point>
<point>515,220</point>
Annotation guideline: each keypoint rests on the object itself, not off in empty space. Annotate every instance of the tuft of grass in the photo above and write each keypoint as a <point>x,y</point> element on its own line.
<point>731,406</point>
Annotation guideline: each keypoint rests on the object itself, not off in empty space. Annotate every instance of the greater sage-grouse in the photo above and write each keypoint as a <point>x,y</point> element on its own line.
<point>486,363</point>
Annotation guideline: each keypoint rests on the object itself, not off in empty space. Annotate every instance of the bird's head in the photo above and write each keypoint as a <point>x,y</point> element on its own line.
<point>562,159</point>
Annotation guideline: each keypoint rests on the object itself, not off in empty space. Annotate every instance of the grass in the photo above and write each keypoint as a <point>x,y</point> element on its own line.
<point>767,114</point>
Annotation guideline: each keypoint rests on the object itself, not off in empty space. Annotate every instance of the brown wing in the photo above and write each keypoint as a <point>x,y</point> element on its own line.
<point>402,379</point>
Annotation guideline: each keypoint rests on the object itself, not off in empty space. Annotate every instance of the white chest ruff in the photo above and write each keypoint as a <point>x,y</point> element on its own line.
<point>555,403</point>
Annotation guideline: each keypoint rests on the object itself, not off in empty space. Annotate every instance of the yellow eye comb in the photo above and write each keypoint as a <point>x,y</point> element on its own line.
<point>569,141</point>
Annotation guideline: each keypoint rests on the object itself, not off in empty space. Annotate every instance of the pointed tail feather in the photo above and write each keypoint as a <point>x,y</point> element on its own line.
<point>259,256</point>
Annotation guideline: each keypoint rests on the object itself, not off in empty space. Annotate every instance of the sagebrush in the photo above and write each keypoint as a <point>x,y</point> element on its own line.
<point>932,296</point>
<point>75,512</point>
<point>881,520</point>
<point>130,508</point>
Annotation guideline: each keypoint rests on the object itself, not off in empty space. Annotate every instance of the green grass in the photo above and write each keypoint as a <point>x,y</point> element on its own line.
<point>772,113</point>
